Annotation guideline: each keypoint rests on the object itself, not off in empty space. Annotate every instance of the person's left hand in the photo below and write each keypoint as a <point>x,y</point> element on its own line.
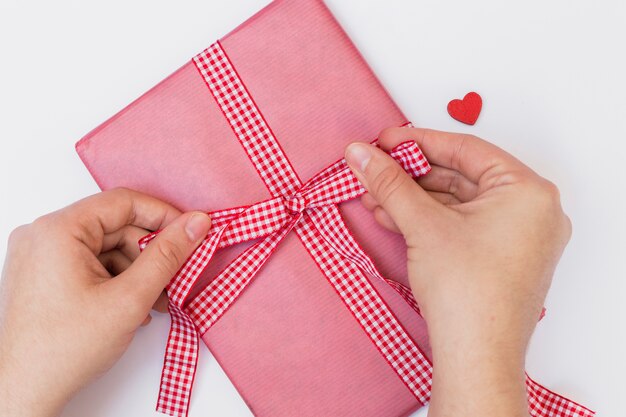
<point>75,289</point>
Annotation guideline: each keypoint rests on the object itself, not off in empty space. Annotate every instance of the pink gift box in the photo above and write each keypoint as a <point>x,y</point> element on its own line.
<point>288,344</point>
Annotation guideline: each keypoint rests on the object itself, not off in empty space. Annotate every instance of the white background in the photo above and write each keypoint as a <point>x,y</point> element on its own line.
<point>551,74</point>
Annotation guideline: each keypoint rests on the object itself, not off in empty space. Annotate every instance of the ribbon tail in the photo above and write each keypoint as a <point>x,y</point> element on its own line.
<point>405,293</point>
<point>545,403</point>
<point>181,355</point>
<point>341,240</point>
<point>179,366</point>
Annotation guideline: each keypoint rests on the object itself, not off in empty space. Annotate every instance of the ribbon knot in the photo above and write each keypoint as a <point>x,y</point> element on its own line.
<point>295,204</point>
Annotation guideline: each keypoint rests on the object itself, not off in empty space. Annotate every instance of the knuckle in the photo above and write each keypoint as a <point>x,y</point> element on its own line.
<point>567,222</point>
<point>125,195</point>
<point>514,177</point>
<point>41,222</point>
<point>118,194</point>
<point>453,185</point>
<point>548,202</point>
<point>457,153</point>
<point>118,191</point>
<point>387,182</point>
<point>543,192</point>
<point>549,193</point>
<point>471,137</point>
<point>550,189</point>
<point>46,225</point>
<point>17,235</point>
<point>387,131</point>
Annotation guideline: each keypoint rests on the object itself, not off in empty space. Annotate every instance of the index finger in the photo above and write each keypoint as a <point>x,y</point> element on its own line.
<point>467,154</point>
<point>109,211</point>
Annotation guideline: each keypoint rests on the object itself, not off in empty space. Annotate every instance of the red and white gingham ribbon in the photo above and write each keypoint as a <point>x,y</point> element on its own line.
<point>272,220</point>
<point>310,210</point>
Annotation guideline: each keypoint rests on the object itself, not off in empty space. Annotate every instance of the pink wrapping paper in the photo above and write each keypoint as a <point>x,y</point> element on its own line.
<point>288,344</point>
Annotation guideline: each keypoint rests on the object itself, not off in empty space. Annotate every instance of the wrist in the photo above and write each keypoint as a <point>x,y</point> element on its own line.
<point>478,384</point>
<point>23,396</point>
<point>480,375</point>
<point>478,316</point>
<point>479,352</point>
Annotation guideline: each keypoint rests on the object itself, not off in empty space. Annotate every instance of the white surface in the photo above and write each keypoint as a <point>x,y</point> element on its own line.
<point>550,74</point>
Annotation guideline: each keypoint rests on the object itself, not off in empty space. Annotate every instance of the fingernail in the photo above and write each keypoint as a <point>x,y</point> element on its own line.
<point>197,226</point>
<point>358,155</point>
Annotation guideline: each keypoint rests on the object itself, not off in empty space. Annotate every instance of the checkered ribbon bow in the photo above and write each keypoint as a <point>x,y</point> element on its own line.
<point>272,220</point>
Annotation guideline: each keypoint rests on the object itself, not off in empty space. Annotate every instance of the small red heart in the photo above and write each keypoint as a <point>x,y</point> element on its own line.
<point>466,110</point>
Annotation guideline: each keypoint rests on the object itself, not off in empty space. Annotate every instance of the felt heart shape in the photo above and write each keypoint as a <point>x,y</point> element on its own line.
<point>466,110</point>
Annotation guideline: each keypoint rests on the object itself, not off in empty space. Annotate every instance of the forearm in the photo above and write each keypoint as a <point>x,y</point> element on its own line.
<point>478,365</point>
<point>21,397</point>
<point>476,382</point>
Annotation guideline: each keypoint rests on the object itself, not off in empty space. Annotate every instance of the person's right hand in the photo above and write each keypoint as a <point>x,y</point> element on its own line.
<point>484,234</point>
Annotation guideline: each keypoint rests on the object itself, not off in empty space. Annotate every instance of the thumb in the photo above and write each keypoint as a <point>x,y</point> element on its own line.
<point>153,269</point>
<point>392,188</point>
